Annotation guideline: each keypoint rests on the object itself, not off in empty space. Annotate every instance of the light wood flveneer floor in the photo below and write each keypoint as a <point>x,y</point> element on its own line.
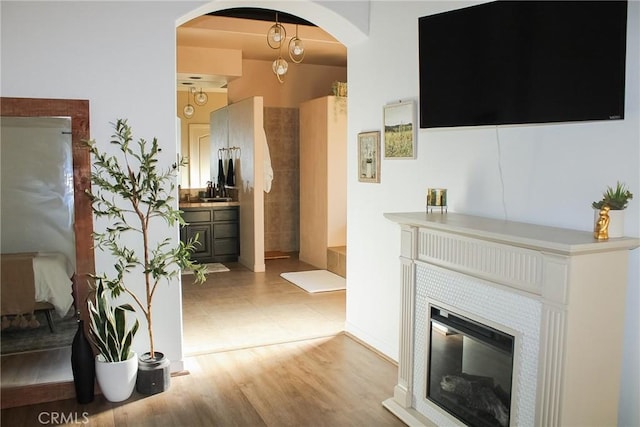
<point>231,310</point>
<point>241,309</point>
<point>259,352</point>
<point>331,381</point>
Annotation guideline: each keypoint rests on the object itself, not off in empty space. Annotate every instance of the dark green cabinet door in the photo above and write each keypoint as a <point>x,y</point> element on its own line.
<point>218,232</point>
<point>203,250</point>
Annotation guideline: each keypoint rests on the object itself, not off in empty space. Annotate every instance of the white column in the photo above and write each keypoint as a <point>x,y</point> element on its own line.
<point>402,393</point>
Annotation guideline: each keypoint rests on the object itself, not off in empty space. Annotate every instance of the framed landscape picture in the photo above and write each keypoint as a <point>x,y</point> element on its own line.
<point>400,130</point>
<point>369,156</point>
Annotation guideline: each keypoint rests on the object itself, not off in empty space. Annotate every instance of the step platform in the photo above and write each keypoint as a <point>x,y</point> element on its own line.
<point>337,260</point>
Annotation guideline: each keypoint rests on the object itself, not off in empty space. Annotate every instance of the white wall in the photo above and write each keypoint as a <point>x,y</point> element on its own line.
<point>100,50</point>
<point>551,175</point>
<point>121,57</point>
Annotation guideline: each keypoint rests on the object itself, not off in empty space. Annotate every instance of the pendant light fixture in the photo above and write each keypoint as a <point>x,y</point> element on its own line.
<point>296,48</point>
<point>276,35</point>
<point>276,38</point>
<point>280,67</point>
<point>188,109</point>
<point>200,98</point>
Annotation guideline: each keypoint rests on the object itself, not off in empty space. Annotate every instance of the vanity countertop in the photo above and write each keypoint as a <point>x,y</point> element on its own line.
<point>207,204</point>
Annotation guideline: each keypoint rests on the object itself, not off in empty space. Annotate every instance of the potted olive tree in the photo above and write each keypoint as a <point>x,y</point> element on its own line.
<point>133,193</point>
<point>617,199</point>
<point>116,364</point>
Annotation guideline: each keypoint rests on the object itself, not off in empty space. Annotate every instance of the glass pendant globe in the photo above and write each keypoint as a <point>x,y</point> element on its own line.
<point>280,67</point>
<point>201,98</point>
<point>276,35</point>
<point>188,111</point>
<point>296,50</point>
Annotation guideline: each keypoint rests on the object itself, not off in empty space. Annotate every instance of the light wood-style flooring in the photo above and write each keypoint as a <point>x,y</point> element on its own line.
<point>231,310</point>
<point>241,309</point>
<point>259,352</point>
<point>331,381</point>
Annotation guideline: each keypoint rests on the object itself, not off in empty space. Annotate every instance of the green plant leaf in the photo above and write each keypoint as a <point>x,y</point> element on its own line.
<point>131,191</point>
<point>108,325</point>
<point>615,198</point>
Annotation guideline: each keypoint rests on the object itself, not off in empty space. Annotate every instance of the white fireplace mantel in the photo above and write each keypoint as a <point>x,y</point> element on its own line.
<point>575,284</point>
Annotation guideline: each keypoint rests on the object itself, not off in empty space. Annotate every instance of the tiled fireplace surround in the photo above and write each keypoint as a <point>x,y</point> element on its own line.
<point>559,292</point>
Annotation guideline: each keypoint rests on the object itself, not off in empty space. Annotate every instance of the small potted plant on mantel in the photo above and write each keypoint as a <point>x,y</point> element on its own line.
<point>133,193</point>
<point>617,200</point>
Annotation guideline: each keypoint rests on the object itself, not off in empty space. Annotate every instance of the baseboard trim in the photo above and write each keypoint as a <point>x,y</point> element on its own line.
<point>373,349</point>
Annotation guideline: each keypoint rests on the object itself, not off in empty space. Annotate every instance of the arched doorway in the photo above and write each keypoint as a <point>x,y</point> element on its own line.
<point>311,11</point>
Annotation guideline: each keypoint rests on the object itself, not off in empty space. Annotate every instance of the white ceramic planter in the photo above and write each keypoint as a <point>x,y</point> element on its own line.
<point>117,379</point>
<point>616,222</point>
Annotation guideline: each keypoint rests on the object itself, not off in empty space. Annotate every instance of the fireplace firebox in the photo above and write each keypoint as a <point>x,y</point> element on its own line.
<point>470,369</point>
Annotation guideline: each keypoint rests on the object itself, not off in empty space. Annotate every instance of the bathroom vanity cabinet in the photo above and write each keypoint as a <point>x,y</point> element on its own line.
<point>217,228</point>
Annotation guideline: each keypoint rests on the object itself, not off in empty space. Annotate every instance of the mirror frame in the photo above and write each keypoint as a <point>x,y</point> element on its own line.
<point>78,111</point>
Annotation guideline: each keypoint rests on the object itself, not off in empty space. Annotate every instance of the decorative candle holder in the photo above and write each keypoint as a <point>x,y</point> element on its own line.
<point>437,198</point>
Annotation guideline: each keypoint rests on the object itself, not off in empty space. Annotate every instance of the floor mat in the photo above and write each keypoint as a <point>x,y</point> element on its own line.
<point>316,280</point>
<point>18,340</point>
<point>215,267</point>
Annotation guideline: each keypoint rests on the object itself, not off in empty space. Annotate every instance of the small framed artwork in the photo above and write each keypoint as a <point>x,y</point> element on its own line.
<point>400,130</point>
<point>369,156</point>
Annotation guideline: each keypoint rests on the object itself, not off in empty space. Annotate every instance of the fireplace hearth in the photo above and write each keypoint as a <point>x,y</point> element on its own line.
<point>497,323</point>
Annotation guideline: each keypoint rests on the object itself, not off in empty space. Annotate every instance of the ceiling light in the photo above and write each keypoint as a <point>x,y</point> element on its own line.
<point>296,48</point>
<point>276,35</point>
<point>280,67</point>
<point>276,38</point>
<point>201,98</point>
<point>188,109</point>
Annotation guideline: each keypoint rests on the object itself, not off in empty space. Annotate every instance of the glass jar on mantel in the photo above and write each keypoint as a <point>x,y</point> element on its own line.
<point>437,198</point>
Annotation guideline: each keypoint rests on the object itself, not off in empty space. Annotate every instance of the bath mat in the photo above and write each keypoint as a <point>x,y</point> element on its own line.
<point>316,280</point>
<point>215,267</point>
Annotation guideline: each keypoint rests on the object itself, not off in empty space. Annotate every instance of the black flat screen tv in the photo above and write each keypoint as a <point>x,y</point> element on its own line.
<point>519,62</point>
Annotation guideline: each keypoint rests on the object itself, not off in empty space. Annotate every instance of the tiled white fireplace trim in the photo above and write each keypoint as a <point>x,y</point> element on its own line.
<point>517,315</point>
<point>567,273</point>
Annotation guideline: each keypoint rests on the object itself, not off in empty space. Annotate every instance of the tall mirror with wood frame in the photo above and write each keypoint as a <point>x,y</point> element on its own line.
<point>31,254</point>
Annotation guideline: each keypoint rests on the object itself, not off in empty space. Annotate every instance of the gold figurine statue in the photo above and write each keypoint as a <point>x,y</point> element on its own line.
<point>601,231</point>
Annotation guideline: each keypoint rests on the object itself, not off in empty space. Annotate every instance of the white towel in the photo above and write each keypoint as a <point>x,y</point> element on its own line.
<point>268,170</point>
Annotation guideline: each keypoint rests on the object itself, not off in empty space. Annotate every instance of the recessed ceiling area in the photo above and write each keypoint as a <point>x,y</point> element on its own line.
<point>245,29</point>
<point>260,14</point>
